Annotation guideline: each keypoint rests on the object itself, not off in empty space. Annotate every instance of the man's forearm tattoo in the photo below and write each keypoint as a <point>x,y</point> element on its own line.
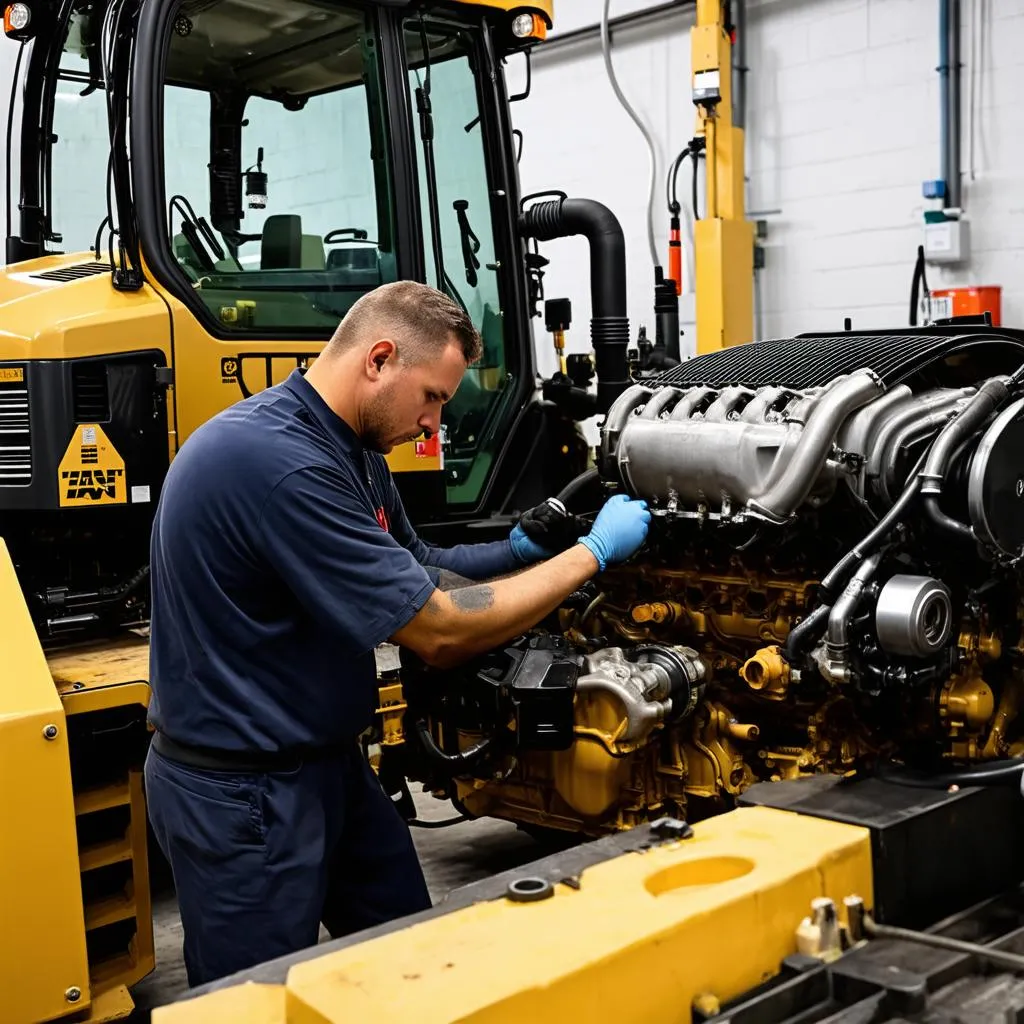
<point>473,599</point>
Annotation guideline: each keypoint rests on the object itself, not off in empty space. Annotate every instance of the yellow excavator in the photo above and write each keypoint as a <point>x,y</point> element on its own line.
<point>200,189</point>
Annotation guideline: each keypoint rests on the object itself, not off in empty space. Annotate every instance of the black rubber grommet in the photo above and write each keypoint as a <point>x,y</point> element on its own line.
<point>529,890</point>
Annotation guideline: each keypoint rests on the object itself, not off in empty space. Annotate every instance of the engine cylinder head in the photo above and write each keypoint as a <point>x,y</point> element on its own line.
<point>913,616</point>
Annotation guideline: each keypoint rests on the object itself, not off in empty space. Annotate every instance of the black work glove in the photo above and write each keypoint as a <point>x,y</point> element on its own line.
<point>545,530</point>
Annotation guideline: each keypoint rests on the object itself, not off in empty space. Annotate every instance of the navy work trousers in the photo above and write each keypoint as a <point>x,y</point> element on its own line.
<point>260,860</point>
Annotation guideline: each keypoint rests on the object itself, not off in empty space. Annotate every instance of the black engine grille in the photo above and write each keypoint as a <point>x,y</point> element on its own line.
<point>812,361</point>
<point>15,437</point>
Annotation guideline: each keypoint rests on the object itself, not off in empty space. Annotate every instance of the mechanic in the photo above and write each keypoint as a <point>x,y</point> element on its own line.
<point>281,557</point>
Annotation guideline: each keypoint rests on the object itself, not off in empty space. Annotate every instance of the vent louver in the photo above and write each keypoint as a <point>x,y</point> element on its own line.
<point>78,271</point>
<point>15,437</point>
<point>90,393</point>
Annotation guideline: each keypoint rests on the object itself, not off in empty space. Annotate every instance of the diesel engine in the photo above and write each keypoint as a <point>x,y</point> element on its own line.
<point>831,583</point>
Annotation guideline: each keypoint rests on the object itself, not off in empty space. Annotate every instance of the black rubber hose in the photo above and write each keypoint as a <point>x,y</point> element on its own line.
<point>609,324</point>
<point>994,773</point>
<point>461,760</point>
<point>946,523</point>
<point>804,634</point>
<point>918,280</point>
<point>839,575</point>
<point>577,484</point>
<point>445,823</point>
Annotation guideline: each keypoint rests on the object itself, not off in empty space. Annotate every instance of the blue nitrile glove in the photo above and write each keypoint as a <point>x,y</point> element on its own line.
<point>524,550</point>
<point>619,530</point>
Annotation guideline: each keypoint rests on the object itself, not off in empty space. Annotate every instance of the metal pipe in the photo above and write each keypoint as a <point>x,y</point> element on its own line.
<point>944,148</point>
<point>998,957</point>
<point>592,33</point>
<point>609,324</point>
<point>640,714</point>
<point>739,67</point>
<point>844,608</point>
<point>787,493</point>
<point>955,113</point>
<point>989,397</point>
<point>950,100</point>
<point>837,645</point>
<point>925,414</point>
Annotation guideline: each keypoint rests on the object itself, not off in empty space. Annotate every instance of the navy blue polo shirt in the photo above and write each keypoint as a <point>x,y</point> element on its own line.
<point>280,557</point>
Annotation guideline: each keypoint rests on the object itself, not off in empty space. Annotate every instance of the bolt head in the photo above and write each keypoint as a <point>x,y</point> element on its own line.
<point>73,994</point>
<point>50,732</point>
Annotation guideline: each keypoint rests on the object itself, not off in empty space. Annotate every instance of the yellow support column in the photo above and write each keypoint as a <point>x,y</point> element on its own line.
<point>44,972</point>
<point>723,238</point>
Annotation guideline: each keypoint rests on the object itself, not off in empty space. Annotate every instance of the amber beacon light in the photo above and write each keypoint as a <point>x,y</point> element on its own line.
<point>18,21</point>
<point>529,26</point>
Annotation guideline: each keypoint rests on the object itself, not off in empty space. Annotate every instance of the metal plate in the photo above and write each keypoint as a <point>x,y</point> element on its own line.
<point>995,491</point>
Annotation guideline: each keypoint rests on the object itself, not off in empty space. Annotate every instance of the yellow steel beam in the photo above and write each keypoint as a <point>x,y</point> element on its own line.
<point>637,938</point>
<point>44,972</point>
<point>723,238</point>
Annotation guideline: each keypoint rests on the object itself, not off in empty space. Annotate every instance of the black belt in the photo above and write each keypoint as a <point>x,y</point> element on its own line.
<point>245,761</point>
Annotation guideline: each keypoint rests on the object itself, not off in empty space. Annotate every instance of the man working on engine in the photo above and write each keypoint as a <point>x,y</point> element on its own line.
<point>281,557</point>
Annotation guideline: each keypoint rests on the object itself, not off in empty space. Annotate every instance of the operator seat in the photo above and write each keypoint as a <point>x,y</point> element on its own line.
<point>281,246</point>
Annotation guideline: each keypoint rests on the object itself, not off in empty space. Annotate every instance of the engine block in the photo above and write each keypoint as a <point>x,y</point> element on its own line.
<point>831,583</point>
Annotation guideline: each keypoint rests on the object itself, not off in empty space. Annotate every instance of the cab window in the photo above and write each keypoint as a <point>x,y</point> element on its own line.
<point>458,237</point>
<point>277,189</point>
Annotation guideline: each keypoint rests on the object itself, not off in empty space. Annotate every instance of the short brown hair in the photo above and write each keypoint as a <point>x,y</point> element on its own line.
<point>421,320</point>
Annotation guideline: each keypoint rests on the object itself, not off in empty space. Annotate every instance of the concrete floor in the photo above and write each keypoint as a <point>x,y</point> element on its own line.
<point>451,857</point>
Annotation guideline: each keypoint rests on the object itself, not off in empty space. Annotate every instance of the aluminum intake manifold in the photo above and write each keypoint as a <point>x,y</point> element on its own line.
<point>735,451</point>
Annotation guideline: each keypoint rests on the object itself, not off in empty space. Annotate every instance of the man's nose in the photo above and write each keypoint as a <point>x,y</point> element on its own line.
<point>430,422</point>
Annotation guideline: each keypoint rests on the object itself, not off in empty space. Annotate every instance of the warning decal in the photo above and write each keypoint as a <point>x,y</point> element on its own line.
<point>91,472</point>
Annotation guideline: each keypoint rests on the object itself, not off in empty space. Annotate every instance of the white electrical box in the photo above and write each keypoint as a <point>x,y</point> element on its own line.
<point>946,241</point>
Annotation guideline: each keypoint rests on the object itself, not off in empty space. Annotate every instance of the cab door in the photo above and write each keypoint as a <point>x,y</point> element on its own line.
<point>272,207</point>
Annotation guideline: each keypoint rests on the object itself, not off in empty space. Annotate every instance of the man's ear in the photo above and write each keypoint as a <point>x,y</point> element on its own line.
<point>378,356</point>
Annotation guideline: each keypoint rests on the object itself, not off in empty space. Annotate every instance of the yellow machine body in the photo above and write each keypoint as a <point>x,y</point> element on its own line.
<point>641,937</point>
<point>723,238</point>
<point>76,928</point>
<point>46,319</point>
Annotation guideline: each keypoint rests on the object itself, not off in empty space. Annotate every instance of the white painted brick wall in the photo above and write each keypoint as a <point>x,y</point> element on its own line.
<point>843,127</point>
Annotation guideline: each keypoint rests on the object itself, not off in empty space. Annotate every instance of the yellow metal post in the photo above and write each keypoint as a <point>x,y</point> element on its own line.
<point>723,238</point>
<point>44,971</point>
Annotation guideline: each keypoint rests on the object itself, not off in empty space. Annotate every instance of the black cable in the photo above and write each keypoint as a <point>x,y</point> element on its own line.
<point>10,130</point>
<point>99,235</point>
<point>421,823</point>
<point>920,278</point>
<point>671,195</point>
<point>462,760</point>
<point>695,157</point>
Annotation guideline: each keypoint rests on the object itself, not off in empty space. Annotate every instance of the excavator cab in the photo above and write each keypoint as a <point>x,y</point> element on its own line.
<point>205,187</point>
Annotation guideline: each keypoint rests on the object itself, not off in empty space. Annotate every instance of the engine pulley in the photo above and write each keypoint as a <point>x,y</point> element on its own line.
<point>913,616</point>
